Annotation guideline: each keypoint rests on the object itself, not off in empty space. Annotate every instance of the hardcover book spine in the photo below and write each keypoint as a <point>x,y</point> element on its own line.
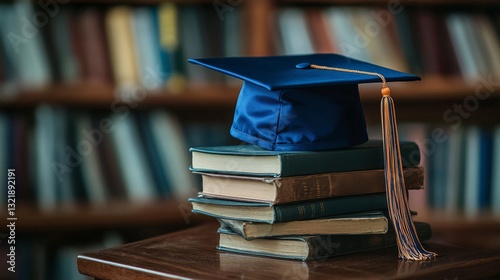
<point>340,184</point>
<point>337,206</point>
<point>348,160</point>
<point>322,247</point>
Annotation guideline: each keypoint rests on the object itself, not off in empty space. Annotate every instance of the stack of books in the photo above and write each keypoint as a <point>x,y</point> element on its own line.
<point>303,205</point>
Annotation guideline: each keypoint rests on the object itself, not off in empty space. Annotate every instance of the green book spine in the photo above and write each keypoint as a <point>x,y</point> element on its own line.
<point>329,207</point>
<point>368,157</point>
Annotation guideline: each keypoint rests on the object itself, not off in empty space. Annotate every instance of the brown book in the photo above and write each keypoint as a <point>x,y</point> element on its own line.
<point>320,32</point>
<point>20,149</point>
<point>449,62</point>
<point>3,66</point>
<point>95,61</point>
<point>301,188</point>
<point>437,53</point>
<point>113,177</point>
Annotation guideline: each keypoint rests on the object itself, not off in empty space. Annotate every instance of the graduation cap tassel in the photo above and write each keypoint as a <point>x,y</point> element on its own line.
<point>409,245</point>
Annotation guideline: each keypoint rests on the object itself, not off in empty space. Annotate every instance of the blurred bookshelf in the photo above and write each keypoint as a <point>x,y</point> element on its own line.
<point>85,79</point>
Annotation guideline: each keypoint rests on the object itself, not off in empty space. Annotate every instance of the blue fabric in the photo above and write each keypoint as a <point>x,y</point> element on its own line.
<point>279,72</point>
<point>315,118</point>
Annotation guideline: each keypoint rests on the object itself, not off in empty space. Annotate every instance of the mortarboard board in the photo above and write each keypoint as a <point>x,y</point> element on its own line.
<point>282,107</point>
<point>291,103</point>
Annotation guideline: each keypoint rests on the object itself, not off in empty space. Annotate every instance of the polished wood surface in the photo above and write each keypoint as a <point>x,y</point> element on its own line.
<point>192,254</point>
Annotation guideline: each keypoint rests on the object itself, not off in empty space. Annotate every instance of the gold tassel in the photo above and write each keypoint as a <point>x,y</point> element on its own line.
<point>409,246</point>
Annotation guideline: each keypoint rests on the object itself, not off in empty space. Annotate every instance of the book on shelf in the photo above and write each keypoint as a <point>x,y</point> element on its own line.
<point>322,38</point>
<point>341,24</point>
<point>192,41</point>
<point>169,141</point>
<point>293,27</point>
<point>147,46</point>
<point>93,176</point>
<point>114,179</point>
<point>4,161</point>
<point>490,41</point>
<point>62,55</point>
<point>455,171</point>
<point>478,169</point>
<point>122,50</point>
<point>171,48</point>
<point>495,180</point>
<point>132,159</point>
<point>374,222</point>
<point>381,45</point>
<point>404,31</point>
<point>92,42</point>
<point>434,43</point>
<point>255,161</point>
<point>28,59</point>
<point>302,210</point>
<point>299,188</point>
<point>312,247</point>
<point>43,152</point>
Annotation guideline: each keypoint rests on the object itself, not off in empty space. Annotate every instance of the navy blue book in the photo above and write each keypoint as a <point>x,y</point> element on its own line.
<point>303,210</point>
<point>252,160</point>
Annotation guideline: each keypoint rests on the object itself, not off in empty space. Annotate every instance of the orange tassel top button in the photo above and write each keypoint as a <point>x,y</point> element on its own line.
<point>386,91</point>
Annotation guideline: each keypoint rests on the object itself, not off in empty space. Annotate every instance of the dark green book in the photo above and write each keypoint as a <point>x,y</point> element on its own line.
<point>312,247</point>
<point>255,161</point>
<point>303,210</point>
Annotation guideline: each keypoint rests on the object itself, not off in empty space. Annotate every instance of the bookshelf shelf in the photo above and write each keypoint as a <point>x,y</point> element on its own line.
<point>103,96</point>
<point>433,94</point>
<point>91,95</point>
<point>115,214</point>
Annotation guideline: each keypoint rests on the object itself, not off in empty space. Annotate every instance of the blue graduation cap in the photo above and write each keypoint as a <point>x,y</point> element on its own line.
<point>291,103</point>
<point>284,106</point>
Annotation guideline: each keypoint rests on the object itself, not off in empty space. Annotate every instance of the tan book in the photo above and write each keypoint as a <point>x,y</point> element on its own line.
<point>373,222</point>
<point>299,188</point>
<point>121,45</point>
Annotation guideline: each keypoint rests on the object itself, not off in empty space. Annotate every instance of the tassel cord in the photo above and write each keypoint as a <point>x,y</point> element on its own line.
<point>409,245</point>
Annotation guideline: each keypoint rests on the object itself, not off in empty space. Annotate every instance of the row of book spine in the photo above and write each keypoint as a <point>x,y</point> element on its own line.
<point>149,45</point>
<point>462,164</point>
<point>62,156</point>
<point>465,172</point>
<point>120,45</point>
<point>420,40</point>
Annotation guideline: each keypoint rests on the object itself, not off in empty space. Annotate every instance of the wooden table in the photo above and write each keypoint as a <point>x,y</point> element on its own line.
<point>191,253</point>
